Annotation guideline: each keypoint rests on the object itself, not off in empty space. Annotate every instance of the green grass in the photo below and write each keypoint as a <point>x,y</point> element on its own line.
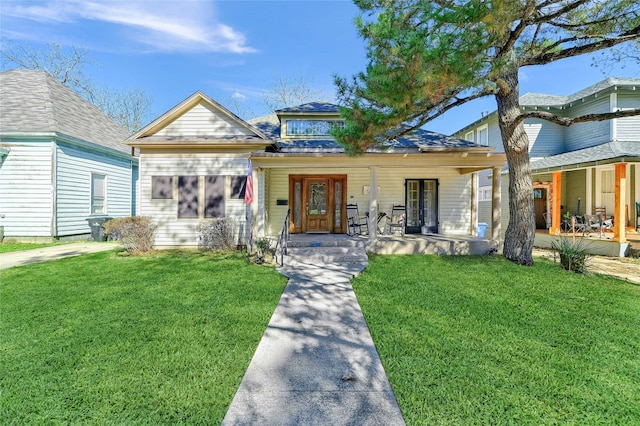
<point>479,340</point>
<point>109,339</point>
<point>9,247</point>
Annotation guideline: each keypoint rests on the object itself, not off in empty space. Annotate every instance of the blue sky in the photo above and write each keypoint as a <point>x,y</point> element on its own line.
<point>236,49</point>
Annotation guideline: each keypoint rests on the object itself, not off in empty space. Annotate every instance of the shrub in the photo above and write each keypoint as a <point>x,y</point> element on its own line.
<point>573,255</point>
<point>217,234</point>
<point>135,232</point>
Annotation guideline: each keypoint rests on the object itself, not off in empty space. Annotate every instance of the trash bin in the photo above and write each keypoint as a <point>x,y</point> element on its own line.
<point>482,228</point>
<point>95,223</point>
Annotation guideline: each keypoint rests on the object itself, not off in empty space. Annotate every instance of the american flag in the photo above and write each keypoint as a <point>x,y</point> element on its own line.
<point>248,191</point>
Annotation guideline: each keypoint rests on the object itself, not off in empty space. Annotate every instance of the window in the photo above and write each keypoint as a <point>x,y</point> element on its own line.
<point>608,184</point>
<point>483,135</point>
<point>469,136</point>
<point>188,197</point>
<point>214,196</point>
<point>162,187</point>
<point>98,193</point>
<point>484,193</point>
<point>238,187</point>
<point>312,127</point>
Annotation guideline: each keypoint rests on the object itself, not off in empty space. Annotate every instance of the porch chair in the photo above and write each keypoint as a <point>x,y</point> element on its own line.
<point>355,222</point>
<point>398,219</point>
<point>593,223</point>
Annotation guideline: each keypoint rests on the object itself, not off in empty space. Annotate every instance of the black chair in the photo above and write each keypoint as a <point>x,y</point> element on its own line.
<point>355,222</point>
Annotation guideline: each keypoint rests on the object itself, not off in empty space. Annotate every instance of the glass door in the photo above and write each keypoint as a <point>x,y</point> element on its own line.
<point>422,205</point>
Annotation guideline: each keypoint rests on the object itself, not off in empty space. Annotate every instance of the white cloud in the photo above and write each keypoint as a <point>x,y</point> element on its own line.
<point>239,96</point>
<point>163,25</point>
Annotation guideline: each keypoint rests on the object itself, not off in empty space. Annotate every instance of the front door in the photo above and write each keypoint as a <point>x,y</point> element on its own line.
<point>422,205</point>
<point>540,207</point>
<point>317,205</point>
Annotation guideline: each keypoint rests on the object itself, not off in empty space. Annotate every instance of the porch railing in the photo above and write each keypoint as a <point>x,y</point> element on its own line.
<point>283,238</point>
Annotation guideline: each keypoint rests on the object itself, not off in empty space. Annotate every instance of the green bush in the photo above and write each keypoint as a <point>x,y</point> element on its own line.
<point>573,255</point>
<point>135,232</point>
<point>217,234</point>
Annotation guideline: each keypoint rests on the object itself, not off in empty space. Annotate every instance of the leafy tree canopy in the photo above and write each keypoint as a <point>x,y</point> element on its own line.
<point>426,57</point>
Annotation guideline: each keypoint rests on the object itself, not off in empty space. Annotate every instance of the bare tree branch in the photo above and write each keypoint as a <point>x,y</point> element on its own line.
<point>569,121</point>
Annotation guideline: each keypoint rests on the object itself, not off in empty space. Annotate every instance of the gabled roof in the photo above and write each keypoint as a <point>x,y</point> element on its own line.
<point>418,141</point>
<point>541,99</point>
<point>219,127</point>
<point>602,152</point>
<point>34,102</point>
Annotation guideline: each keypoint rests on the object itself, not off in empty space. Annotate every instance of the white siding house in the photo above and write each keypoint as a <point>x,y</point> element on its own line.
<point>587,160</point>
<point>195,158</point>
<point>61,160</point>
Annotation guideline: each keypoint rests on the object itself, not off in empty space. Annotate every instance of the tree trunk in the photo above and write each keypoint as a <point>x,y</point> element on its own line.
<point>520,233</point>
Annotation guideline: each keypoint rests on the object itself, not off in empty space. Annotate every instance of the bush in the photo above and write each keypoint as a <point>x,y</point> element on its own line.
<point>573,255</point>
<point>217,234</point>
<point>135,232</point>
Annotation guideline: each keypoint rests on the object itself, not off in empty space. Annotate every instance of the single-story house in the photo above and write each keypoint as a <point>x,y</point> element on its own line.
<point>61,161</point>
<point>194,161</point>
<point>586,168</point>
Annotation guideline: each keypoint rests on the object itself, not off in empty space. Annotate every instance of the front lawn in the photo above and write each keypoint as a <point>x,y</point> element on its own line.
<point>479,340</point>
<point>9,247</point>
<point>109,339</point>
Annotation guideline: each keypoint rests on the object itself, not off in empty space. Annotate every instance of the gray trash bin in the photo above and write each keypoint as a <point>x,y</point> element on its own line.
<point>97,231</point>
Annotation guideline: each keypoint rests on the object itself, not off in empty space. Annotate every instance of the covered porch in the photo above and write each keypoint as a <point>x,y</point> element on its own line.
<point>595,199</point>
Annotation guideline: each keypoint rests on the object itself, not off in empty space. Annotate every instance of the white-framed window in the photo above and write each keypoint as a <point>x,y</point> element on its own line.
<point>312,127</point>
<point>98,193</point>
<point>483,135</point>
<point>484,193</point>
<point>469,136</point>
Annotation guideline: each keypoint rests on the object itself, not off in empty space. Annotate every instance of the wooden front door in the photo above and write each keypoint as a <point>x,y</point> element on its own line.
<point>317,203</point>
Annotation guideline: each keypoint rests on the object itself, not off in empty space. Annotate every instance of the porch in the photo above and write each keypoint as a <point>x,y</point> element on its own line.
<point>438,244</point>
<point>604,244</point>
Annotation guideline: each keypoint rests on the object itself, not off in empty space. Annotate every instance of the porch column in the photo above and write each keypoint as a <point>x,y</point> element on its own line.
<point>619,216</point>
<point>496,196</point>
<point>555,204</point>
<point>474,204</point>
<point>261,202</point>
<point>373,204</point>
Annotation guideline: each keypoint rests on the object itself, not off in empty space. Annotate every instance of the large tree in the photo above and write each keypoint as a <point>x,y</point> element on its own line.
<point>427,57</point>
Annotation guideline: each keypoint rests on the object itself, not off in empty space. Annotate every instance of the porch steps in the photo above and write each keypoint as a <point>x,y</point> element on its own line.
<point>345,254</point>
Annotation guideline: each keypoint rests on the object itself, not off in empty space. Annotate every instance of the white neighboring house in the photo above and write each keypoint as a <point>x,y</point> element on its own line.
<point>61,161</point>
<point>579,168</point>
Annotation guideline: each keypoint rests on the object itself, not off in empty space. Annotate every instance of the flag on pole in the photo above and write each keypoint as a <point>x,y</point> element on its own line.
<point>248,190</point>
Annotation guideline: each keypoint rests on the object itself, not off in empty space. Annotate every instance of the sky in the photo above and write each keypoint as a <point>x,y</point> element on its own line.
<point>234,51</point>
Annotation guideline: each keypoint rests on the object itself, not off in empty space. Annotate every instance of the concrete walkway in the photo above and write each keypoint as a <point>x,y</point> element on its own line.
<point>25,257</point>
<point>316,363</point>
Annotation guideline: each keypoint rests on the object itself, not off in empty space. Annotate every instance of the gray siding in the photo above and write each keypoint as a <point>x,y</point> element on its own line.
<point>26,190</point>
<point>584,135</point>
<point>545,138</point>
<point>628,129</point>
<point>74,168</point>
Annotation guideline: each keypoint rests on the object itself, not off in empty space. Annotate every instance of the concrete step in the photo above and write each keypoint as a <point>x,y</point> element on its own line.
<point>327,242</point>
<point>346,270</point>
<point>316,255</point>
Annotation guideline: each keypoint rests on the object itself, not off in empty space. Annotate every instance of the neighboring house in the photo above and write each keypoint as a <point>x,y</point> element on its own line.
<point>579,168</point>
<point>61,160</point>
<point>194,161</point>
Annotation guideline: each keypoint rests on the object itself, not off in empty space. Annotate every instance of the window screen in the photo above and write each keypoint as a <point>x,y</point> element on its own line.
<point>188,196</point>
<point>214,196</point>
<point>162,187</point>
<point>238,187</point>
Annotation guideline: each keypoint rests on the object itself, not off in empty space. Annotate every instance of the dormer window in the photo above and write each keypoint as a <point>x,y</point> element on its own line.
<point>312,127</point>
